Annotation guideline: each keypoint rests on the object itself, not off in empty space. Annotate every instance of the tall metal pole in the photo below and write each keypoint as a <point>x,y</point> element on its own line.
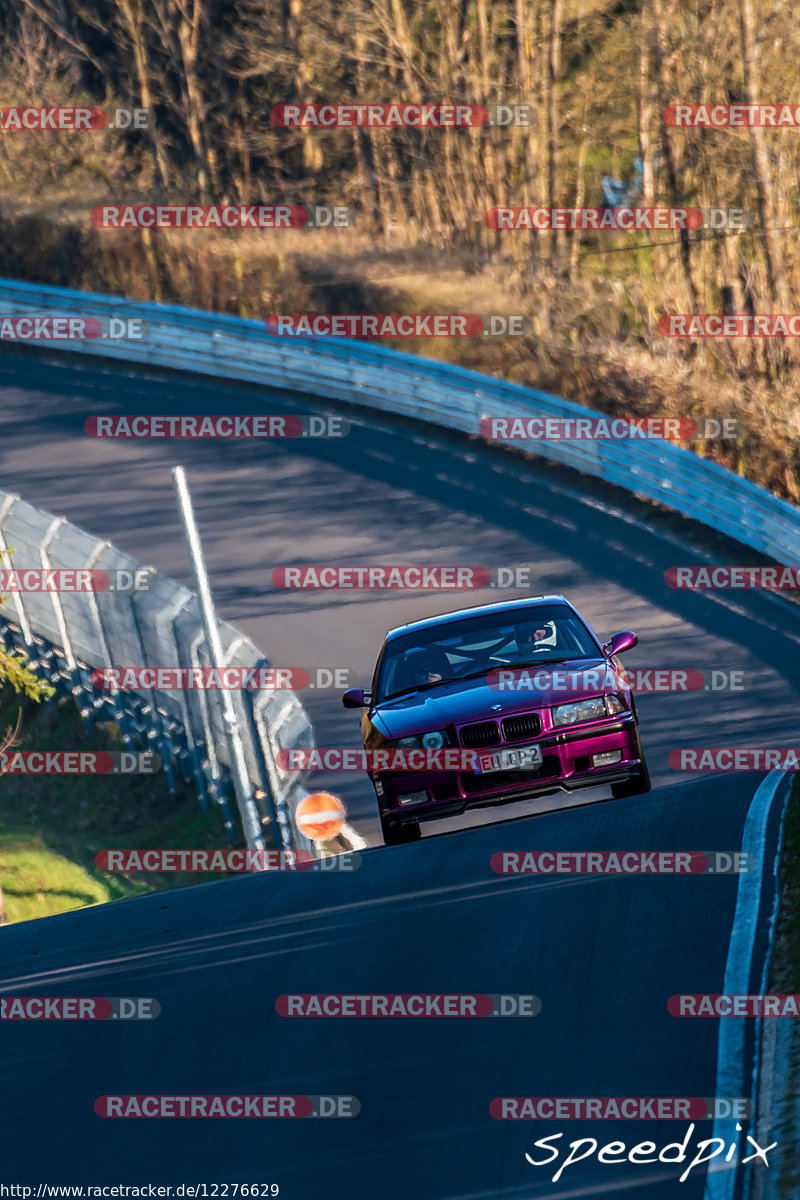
<point>241,779</point>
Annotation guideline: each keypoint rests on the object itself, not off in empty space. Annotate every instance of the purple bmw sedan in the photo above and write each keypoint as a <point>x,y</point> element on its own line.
<point>494,704</point>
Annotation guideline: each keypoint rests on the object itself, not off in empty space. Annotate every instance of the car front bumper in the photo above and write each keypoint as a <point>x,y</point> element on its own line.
<point>566,766</point>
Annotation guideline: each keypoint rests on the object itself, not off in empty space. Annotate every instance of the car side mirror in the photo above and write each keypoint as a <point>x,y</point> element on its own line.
<point>625,640</point>
<point>355,698</point>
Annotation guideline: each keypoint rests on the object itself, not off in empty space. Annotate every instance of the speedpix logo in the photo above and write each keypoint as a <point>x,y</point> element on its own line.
<point>616,1153</point>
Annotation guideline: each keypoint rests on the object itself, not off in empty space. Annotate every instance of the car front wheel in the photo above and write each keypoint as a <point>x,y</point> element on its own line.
<point>638,785</point>
<point>395,834</point>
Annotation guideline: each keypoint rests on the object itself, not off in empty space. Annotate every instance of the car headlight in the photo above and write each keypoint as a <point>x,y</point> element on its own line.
<point>432,740</point>
<point>581,710</point>
<point>614,704</point>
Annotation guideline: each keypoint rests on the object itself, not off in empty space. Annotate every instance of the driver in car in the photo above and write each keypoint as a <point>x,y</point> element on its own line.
<point>533,640</point>
<point>423,667</point>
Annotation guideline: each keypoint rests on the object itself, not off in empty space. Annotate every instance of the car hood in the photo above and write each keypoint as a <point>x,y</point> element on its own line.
<point>475,700</point>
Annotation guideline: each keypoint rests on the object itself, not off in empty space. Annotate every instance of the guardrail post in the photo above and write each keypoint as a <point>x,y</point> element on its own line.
<point>58,607</point>
<point>171,617</point>
<point>16,596</point>
<point>251,824</point>
<point>273,803</point>
<point>215,785</point>
<point>120,713</point>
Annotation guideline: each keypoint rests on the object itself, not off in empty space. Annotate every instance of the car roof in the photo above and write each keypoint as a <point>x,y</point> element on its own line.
<point>501,606</point>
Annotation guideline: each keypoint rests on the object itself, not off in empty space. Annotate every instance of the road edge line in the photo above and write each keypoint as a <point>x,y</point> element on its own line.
<point>720,1184</point>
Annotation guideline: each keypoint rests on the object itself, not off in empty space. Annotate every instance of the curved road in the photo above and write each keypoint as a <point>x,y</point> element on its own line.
<point>390,493</point>
<point>603,954</point>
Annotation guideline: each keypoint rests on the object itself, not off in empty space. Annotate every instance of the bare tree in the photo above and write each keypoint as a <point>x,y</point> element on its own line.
<point>553,125</point>
<point>773,258</point>
<point>662,13</point>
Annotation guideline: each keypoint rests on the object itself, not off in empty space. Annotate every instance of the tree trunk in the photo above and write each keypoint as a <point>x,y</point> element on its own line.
<point>580,195</point>
<point>645,149</point>
<point>134,22</point>
<point>553,131</point>
<point>670,163</point>
<point>766,209</point>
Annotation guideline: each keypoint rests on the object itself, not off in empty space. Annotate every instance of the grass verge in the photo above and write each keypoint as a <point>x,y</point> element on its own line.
<point>51,827</point>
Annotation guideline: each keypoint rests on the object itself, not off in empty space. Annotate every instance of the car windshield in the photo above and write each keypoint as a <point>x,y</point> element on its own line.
<point>473,646</point>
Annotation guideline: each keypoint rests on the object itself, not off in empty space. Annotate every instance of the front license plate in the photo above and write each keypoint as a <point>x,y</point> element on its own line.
<point>522,758</point>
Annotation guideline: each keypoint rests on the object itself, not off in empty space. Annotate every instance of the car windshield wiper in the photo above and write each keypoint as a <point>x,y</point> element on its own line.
<point>537,661</point>
<point>475,674</point>
<point>425,687</point>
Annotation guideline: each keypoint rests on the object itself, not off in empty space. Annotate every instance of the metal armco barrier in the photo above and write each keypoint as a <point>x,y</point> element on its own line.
<point>232,348</point>
<point>67,635</point>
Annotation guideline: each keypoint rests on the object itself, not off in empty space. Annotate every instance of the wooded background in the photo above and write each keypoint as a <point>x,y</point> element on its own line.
<point>598,76</point>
